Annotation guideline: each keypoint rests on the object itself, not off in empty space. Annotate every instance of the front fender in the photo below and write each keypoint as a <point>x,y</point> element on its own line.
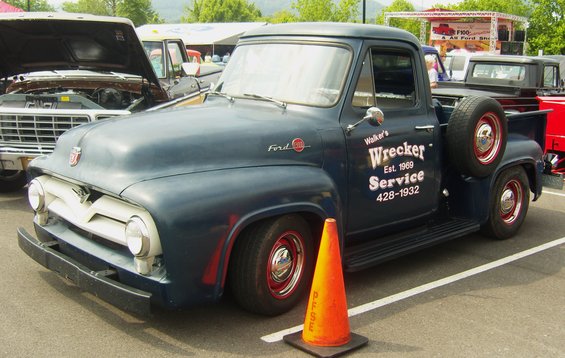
<point>200,215</point>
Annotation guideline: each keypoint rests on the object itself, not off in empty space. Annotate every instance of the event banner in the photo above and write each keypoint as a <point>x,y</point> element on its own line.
<point>475,31</point>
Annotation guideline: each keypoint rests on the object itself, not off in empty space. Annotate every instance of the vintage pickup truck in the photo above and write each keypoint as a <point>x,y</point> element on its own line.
<point>555,132</point>
<point>514,81</point>
<point>520,84</point>
<point>443,29</point>
<point>308,121</point>
<point>63,70</point>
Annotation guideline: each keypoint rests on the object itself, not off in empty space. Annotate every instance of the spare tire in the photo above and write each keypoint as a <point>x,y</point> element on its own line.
<point>477,132</point>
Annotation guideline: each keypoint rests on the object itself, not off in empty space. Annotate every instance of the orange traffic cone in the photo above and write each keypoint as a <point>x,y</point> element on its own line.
<point>326,325</point>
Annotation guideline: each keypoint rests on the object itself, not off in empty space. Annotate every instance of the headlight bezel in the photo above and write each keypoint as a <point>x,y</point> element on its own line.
<point>37,201</point>
<point>137,236</point>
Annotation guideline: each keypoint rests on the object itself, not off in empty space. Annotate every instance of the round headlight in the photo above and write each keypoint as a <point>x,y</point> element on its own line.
<point>36,195</point>
<point>137,236</point>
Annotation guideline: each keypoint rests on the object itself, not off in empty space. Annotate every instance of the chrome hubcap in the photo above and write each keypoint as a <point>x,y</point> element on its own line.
<point>511,202</point>
<point>286,265</point>
<point>485,138</point>
<point>507,201</point>
<point>488,139</point>
<point>281,265</point>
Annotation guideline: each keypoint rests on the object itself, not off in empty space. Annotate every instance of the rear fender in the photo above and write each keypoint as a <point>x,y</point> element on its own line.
<point>470,197</point>
<point>525,153</point>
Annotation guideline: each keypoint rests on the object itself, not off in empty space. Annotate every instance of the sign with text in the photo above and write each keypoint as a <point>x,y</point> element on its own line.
<point>474,31</point>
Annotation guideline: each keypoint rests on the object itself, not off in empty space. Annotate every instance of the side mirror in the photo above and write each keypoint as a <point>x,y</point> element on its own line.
<point>190,68</point>
<point>374,116</point>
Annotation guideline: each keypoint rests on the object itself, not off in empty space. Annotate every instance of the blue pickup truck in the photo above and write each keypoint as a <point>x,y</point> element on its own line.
<point>308,121</point>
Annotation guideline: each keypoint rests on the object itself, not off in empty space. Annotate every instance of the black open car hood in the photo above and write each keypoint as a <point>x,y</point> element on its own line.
<point>34,41</point>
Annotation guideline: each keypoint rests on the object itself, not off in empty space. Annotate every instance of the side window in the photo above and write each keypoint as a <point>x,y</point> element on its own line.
<point>550,78</point>
<point>393,74</point>
<point>154,52</point>
<point>176,58</point>
<point>364,95</point>
<point>386,81</point>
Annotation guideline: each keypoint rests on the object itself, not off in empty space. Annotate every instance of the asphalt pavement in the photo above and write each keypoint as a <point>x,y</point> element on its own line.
<point>472,297</point>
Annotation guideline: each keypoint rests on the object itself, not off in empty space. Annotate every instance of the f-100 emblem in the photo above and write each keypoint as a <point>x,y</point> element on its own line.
<point>75,156</point>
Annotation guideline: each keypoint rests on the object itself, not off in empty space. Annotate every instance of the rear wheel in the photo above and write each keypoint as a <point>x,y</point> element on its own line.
<point>509,204</point>
<point>272,264</point>
<point>12,180</point>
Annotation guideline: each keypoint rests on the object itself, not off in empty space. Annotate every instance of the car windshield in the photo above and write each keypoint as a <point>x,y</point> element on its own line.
<point>309,74</point>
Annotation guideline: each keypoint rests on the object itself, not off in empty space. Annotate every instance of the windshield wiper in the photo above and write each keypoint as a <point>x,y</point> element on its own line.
<point>221,94</point>
<point>270,99</point>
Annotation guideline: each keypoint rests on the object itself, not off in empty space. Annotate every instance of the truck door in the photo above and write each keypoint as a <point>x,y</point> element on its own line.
<point>392,168</point>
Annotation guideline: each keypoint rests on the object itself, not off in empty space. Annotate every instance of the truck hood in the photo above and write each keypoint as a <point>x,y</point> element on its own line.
<point>122,151</point>
<point>33,41</point>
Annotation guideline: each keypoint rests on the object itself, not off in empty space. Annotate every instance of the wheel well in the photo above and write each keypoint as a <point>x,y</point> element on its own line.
<point>530,170</point>
<point>315,223</point>
<point>531,173</point>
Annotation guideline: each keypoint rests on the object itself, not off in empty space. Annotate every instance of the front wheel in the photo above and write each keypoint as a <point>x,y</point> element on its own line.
<point>272,264</point>
<point>509,204</point>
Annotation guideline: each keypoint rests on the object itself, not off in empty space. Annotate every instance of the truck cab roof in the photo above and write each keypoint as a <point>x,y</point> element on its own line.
<point>332,30</point>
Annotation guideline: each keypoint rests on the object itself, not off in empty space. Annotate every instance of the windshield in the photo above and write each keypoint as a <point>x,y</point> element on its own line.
<point>308,74</point>
<point>508,72</point>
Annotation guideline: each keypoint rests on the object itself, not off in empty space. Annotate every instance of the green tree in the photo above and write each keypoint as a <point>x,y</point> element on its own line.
<point>221,11</point>
<point>347,11</point>
<point>327,10</point>
<point>514,7</point>
<point>314,10</point>
<point>547,27</point>
<point>281,17</point>
<point>412,26</point>
<point>138,11</point>
<point>93,7</point>
<point>34,5</point>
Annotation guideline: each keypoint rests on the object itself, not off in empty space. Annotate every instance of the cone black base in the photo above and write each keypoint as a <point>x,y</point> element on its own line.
<point>295,339</point>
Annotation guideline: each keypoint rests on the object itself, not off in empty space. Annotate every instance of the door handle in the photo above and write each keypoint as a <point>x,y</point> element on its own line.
<point>428,128</point>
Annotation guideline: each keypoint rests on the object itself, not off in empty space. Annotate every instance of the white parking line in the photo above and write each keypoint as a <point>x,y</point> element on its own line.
<point>275,337</point>
<point>553,193</point>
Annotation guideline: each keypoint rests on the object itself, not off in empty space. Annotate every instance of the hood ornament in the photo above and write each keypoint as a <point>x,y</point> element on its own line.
<point>74,158</point>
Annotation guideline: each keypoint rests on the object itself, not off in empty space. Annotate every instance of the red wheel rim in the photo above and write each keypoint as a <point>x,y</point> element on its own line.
<point>511,202</point>
<point>286,264</point>
<point>488,138</point>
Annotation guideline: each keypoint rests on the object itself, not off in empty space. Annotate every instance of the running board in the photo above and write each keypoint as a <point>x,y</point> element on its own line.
<point>361,256</point>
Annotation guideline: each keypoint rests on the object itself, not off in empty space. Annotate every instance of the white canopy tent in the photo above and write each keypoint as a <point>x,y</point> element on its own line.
<point>202,33</point>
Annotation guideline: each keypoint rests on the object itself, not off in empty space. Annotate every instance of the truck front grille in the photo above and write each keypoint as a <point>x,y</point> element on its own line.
<point>36,131</point>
